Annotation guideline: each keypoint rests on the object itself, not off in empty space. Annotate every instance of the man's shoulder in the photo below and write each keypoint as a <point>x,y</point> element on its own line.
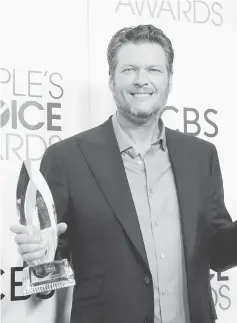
<point>69,143</point>
<point>189,141</point>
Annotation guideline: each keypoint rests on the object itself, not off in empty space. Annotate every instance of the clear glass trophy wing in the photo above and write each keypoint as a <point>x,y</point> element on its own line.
<point>36,209</point>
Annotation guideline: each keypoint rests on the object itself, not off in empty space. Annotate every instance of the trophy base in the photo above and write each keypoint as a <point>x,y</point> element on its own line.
<point>46,277</point>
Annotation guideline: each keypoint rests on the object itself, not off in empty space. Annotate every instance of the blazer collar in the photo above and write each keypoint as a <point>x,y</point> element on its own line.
<point>187,176</point>
<point>101,151</point>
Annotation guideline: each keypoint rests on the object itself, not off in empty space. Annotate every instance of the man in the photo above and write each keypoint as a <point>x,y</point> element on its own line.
<point>143,203</point>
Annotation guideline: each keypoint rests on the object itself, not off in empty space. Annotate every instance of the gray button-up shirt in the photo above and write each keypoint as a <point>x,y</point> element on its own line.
<point>153,190</point>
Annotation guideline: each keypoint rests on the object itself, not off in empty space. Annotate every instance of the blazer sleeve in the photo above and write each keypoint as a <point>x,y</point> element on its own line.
<point>54,175</point>
<point>223,240</point>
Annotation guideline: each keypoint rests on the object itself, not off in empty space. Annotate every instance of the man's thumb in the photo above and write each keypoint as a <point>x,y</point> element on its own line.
<point>62,227</point>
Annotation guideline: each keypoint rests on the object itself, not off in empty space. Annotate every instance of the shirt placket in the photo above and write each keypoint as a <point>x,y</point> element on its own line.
<point>154,179</point>
<point>151,182</point>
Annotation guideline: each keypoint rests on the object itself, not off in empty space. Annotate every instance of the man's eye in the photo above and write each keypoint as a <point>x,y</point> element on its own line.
<point>154,70</point>
<point>130,69</point>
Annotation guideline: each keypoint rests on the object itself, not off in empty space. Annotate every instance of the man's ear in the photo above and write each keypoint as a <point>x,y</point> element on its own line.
<point>111,83</point>
<point>170,83</point>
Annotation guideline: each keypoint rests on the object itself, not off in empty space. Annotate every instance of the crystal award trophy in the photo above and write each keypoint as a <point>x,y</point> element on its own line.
<point>35,208</point>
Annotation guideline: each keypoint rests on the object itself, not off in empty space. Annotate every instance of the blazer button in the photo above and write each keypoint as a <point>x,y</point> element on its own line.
<point>147,280</point>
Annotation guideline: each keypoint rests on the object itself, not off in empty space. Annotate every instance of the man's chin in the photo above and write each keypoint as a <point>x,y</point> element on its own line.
<point>141,116</point>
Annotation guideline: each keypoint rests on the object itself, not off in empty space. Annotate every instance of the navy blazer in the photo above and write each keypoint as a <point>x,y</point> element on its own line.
<point>88,181</point>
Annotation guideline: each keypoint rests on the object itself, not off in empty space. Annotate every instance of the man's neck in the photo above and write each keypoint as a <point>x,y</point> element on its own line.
<point>141,134</point>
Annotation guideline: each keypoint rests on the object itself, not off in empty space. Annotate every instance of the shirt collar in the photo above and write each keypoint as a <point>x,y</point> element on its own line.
<point>125,143</point>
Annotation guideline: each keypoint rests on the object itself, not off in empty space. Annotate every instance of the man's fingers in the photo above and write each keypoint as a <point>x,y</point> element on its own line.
<point>25,229</point>
<point>28,234</point>
<point>18,228</point>
<point>62,227</point>
<point>26,238</point>
<point>33,255</point>
<point>30,248</point>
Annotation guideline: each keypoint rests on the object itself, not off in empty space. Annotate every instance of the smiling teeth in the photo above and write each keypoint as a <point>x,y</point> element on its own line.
<point>141,94</point>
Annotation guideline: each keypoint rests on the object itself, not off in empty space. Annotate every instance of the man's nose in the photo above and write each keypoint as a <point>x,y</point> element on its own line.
<point>141,78</point>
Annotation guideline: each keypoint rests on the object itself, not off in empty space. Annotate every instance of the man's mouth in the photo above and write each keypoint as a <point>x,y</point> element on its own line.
<point>140,95</point>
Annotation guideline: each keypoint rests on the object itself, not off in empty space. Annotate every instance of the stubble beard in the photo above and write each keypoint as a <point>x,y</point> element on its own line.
<point>141,117</point>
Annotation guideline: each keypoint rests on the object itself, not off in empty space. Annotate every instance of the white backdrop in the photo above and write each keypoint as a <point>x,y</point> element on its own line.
<point>55,58</point>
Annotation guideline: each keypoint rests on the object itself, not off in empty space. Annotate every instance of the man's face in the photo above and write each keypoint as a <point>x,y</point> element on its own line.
<point>140,83</point>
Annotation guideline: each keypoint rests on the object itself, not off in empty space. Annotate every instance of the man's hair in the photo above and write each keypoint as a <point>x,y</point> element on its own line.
<point>137,35</point>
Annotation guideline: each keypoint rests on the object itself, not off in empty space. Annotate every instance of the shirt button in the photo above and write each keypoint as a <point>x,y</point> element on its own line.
<point>151,190</point>
<point>147,280</point>
<point>139,162</point>
<point>164,292</point>
<point>162,256</point>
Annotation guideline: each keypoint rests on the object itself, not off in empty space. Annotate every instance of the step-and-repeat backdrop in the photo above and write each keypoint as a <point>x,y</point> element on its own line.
<point>54,84</point>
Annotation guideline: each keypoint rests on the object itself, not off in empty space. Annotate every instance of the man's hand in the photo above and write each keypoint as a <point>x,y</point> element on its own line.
<point>30,242</point>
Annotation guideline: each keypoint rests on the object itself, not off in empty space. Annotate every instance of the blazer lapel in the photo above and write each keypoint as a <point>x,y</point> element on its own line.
<point>101,151</point>
<point>186,180</point>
